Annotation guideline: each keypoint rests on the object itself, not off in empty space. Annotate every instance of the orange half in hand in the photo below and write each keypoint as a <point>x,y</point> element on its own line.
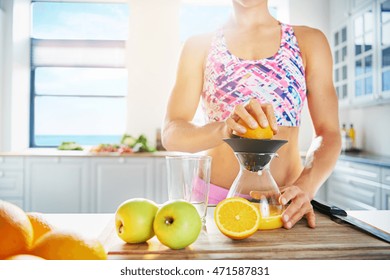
<point>237,218</point>
<point>257,133</point>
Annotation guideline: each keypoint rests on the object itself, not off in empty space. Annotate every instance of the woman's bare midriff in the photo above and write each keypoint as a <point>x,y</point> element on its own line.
<point>285,169</point>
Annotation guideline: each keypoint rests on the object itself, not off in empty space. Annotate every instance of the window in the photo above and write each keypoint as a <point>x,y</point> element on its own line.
<point>385,45</point>
<point>340,55</point>
<point>363,42</point>
<point>78,74</point>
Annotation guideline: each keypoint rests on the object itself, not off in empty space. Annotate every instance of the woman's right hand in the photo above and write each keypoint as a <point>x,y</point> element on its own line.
<point>253,113</point>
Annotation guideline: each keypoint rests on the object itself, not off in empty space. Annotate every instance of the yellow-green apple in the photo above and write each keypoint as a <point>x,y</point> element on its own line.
<point>134,220</point>
<point>177,224</point>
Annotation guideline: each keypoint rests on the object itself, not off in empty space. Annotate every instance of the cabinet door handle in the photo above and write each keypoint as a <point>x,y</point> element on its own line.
<point>359,172</point>
<point>366,173</point>
<point>352,180</point>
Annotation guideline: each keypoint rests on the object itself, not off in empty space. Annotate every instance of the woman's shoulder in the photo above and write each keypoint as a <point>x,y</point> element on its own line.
<point>199,42</point>
<point>307,34</point>
<point>311,41</point>
<point>197,47</point>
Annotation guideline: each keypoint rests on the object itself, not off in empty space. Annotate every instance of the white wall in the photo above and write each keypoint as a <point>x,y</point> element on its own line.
<point>314,13</point>
<point>16,76</point>
<point>2,29</point>
<point>6,70</point>
<point>340,13</point>
<point>371,126</point>
<point>20,81</point>
<point>153,51</point>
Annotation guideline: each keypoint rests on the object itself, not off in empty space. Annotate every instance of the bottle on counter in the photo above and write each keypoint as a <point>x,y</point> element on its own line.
<point>346,142</point>
<point>352,136</point>
<point>343,129</point>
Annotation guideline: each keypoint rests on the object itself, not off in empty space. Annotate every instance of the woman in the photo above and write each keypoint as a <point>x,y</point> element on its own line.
<point>261,71</point>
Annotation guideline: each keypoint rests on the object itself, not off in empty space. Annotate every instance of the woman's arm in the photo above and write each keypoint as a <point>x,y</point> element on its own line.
<point>323,108</point>
<point>178,133</point>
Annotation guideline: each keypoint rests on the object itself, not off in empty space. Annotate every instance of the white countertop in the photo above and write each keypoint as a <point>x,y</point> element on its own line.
<point>85,153</point>
<point>379,219</point>
<point>93,225</point>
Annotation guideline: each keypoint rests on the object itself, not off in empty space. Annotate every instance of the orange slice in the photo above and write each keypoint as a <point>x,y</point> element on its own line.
<point>237,218</point>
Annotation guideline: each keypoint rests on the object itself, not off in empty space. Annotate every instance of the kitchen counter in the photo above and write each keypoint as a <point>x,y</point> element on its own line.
<point>329,240</point>
<point>85,153</point>
<point>362,157</point>
<point>367,158</point>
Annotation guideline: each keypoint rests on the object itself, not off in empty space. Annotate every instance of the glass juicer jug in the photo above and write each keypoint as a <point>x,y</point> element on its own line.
<point>254,181</point>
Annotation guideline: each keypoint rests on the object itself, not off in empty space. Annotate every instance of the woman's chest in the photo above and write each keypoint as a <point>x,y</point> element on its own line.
<point>253,45</point>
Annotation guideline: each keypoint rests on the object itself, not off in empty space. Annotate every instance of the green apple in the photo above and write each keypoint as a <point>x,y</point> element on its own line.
<point>177,224</point>
<point>134,220</point>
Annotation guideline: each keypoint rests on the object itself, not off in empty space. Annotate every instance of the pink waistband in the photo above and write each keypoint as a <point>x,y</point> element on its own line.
<point>217,193</point>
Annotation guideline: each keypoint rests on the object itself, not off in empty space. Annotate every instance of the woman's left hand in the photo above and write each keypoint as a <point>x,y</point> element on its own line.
<point>299,206</point>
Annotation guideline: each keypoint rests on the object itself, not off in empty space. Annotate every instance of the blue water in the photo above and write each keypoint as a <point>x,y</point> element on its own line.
<point>55,140</point>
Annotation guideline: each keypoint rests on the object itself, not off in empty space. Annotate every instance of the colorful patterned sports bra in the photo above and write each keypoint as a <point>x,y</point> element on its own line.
<point>278,80</point>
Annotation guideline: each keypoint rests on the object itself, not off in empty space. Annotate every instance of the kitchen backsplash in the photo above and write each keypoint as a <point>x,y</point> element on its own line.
<point>372,127</point>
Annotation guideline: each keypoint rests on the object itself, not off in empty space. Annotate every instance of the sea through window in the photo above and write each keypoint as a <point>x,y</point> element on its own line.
<point>79,80</point>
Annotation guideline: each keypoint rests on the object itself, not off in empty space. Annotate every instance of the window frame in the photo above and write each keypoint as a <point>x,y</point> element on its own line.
<point>98,43</point>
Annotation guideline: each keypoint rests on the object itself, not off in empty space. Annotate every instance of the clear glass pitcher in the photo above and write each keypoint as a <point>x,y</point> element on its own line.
<point>255,183</point>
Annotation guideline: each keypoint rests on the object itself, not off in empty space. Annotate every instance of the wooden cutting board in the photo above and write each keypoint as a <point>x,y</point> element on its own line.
<point>329,240</point>
<point>381,219</point>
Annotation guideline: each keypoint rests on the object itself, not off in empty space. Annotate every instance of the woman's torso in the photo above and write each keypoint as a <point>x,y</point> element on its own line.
<point>235,71</point>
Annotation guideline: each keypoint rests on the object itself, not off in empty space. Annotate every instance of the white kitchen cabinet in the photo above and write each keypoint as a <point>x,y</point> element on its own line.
<point>11,180</point>
<point>385,187</point>
<point>385,204</point>
<point>321,193</point>
<point>81,183</point>
<point>117,179</point>
<point>362,61</point>
<point>17,201</point>
<point>384,50</point>
<point>359,3</point>
<point>364,41</point>
<point>342,49</point>
<point>57,184</point>
<point>11,183</point>
<point>354,186</point>
<point>160,180</point>
<point>341,69</point>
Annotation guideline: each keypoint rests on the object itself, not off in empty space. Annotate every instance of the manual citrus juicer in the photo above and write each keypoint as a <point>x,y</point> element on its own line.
<point>254,181</point>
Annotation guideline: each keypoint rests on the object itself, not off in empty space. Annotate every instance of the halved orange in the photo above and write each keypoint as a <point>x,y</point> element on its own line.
<point>237,218</point>
<point>257,133</point>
